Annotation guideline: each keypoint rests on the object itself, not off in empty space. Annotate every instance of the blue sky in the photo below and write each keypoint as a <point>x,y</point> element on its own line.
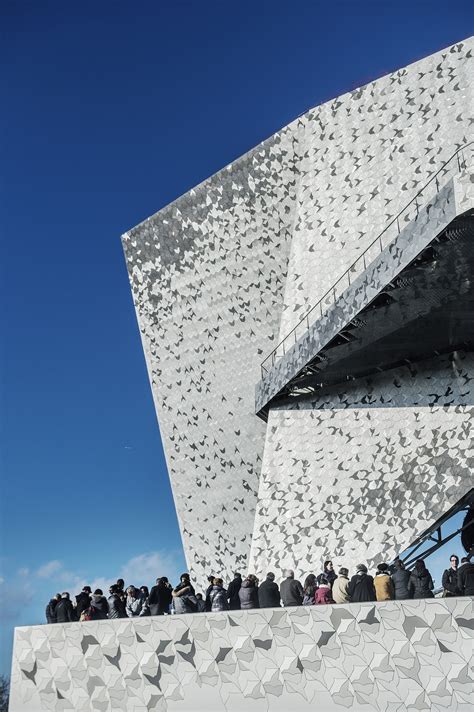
<point>112,110</point>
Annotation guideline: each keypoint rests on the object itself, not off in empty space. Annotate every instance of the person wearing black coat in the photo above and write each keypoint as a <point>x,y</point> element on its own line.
<point>450,578</point>
<point>51,609</point>
<point>269,593</point>
<point>64,609</point>
<point>291,590</point>
<point>83,601</point>
<point>99,605</point>
<point>400,579</point>
<point>160,597</point>
<point>421,584</point>
<point>328,573</point>
<point>233,592</point>
<point>361,586</point>
<point>466,577</point>
<point>207,598</point>
<point>116,603</point>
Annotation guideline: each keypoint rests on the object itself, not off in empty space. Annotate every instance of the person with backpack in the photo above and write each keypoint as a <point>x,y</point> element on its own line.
<point>160,597</point>
<point>361,586</point>
<point>184,597</point>
<point>64,609</point>
<point>51,609</point>
<point>116,604</point>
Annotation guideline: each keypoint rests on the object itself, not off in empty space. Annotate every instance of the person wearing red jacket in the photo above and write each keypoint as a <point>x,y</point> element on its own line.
<point>323,594</point>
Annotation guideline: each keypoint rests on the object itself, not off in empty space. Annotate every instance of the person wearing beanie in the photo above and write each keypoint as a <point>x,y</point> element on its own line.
<point>361,586</point>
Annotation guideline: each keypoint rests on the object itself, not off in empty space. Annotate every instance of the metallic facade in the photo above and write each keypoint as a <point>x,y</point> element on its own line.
<point>220,276</point>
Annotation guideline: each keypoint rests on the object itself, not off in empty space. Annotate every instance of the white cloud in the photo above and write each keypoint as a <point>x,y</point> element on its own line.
<point>48,569</point>
<point>2,580</point>
<point>146,568</point>
<point>24,571</point>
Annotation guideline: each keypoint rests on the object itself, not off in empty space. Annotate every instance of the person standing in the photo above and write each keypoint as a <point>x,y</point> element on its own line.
<point>99,606</point>
<point>144,595</point>
<point>310,587</point>
<point>400,580</point>
<point>466,577</point>
<point>248,593</point>
<point>64,609</point>
<point>51,609</point>
<point>160,597</point>
<point>83,601</point>
<point>233,592</point>
<point>384,589</point>
<point>116,604</point>
<point>328,573</point>
<point>210,584</point>
<point>291,590</point>
<point>218,596</point>
<point>184,598</point>
<point>450,578</point>
<point>268,592</point>
<point>361,586</point>
<point>339,587</point>
<point>421,584</point>
<point>134,606</point>
<point>323,593</point>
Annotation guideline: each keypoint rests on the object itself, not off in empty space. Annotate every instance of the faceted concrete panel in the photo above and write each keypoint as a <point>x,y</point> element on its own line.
<point>389,657</point>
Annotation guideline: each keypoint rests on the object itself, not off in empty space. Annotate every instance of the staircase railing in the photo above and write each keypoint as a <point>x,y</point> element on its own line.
<point>454,165</point>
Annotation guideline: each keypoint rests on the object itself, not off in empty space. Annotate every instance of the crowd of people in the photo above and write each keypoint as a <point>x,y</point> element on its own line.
<point>391,582</point>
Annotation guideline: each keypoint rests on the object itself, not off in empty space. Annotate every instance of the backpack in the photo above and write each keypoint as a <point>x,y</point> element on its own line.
<point>87,614</point>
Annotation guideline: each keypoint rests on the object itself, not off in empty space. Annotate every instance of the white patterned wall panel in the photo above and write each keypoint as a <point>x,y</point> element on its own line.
<point>355,475</point>
<point>363,157</point>
<point>209,274</point>
<point>410,656</point>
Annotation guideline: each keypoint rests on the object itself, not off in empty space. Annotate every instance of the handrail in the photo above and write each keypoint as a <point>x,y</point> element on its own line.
<point>461,165</point>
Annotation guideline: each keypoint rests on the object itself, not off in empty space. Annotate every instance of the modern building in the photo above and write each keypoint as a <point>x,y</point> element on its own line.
<point>331,268</point>
<point>307,320</point>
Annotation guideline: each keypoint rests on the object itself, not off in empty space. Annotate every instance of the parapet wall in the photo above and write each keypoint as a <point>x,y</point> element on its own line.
<point>392,656</point>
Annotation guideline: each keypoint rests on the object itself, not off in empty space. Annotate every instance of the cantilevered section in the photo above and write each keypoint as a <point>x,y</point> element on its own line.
<point>404,306</point>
